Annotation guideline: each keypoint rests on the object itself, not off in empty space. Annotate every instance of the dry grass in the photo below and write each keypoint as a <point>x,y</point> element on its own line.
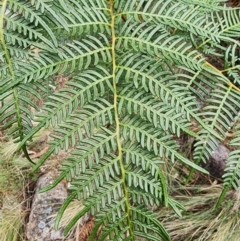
<point>200,221</point>
<point>13,177</point>
<point>78,230</point>
<point>12,220</point>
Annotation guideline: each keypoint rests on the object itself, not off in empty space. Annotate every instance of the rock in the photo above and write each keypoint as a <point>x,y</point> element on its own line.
<point>44,206</point>
<point>217,162</point>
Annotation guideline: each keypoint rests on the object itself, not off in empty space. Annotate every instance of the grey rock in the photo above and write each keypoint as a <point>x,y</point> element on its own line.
<point>44,206</point>
<point>217,162</point>
<point>42,224</point>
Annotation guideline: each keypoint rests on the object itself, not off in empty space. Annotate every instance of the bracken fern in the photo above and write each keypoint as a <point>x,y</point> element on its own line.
<point>138,72</point>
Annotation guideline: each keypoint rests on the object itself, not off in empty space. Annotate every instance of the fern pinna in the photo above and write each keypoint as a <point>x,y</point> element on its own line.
<point>137,73</point>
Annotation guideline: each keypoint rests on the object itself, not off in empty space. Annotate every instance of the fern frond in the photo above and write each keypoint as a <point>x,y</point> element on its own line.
<point>12,40</point>
<point>154,140</point>
<point>205,6</point>
<point>231,177</point>
<point>220,115</point>
<point>137,73</point>
<point>230,26</point>
<point>151,75</point>
<point>30,14</point>
<point>41,72</point>
<point>73,57</point>
<point>79,124</point>
<point>228,19</point>
<point>10,110</point>
<point>173,14</point>
<point>83,20</point>
<point>22,116</point>
<point>155,112</point>
<point>172,47</point>
<point>102,197</point>
<point>16,23</point>
<point>153,228</point>
<point>68,100</point>
<point>236,133</point>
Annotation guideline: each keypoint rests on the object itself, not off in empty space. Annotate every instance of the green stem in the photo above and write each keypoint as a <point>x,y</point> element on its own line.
<point>120,152</point>
<point>10,67</point>
<point>222,196</point>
